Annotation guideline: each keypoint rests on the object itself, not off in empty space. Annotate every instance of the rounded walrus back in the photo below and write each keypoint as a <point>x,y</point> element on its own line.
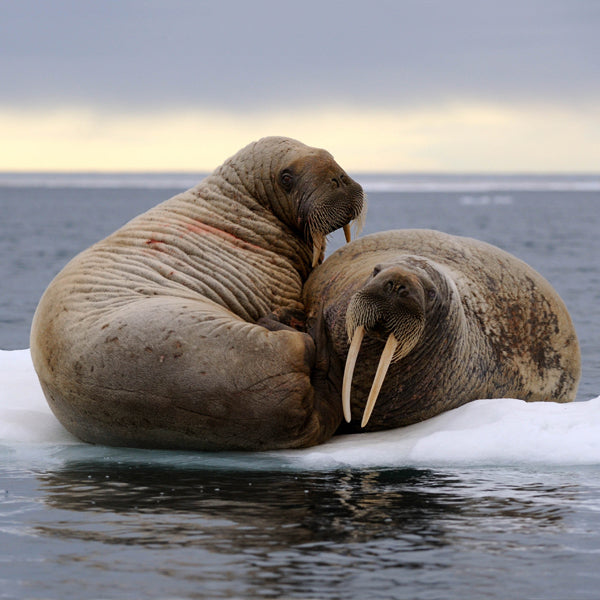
<point>150,337</point>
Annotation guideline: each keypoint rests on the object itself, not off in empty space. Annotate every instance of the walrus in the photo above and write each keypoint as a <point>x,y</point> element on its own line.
<point>162,336</point>
<point>426,321</point>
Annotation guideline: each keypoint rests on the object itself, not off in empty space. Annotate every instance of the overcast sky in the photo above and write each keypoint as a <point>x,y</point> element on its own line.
<point>405,85</point>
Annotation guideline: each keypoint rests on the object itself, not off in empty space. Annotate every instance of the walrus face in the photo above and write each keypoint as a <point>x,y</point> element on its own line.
<point>391,306</point>
<point>325,196</point>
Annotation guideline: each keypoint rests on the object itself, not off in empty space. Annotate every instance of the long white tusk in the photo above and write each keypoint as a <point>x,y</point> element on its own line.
<point>347,233</point>
<point>357,338</point>
<point>384,363</point>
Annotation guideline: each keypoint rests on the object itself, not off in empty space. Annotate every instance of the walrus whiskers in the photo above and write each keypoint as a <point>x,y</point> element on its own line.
<point>319,223</point>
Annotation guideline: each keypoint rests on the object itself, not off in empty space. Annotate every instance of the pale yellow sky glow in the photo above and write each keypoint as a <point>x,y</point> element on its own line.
<point>461,137</point>
<point>402,86</point>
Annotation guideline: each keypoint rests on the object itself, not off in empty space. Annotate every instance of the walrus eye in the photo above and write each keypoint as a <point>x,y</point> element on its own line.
<point>287,179</point>
<point>376,271</point>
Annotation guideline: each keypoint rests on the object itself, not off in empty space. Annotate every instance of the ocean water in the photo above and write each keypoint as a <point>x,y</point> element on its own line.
<point>498,499</point>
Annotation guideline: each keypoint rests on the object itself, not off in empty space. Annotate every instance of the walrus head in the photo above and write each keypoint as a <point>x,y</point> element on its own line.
<point>303,186</point>
<point>327,198</point>
<point>390,306</point>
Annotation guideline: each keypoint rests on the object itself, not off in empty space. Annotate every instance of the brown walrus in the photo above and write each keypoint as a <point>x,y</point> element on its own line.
<point>428,321</point>
<point>150,338</point>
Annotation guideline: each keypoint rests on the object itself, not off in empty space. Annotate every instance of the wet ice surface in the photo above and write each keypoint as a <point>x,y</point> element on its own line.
<point>485,432</point>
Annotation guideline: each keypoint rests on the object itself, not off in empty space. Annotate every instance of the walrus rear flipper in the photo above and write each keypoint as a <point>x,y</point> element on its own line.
<point>176,373</point>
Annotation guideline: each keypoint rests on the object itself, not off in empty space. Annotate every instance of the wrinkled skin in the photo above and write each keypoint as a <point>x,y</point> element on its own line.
<point>159,336</point>
<point>461,320</point>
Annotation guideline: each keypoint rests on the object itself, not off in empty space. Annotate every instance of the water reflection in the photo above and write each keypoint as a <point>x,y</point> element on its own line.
<point>240,509</point>
<point>240,533</point>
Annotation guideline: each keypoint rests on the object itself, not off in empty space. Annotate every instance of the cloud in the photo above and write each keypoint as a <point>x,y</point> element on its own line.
<point>265,54</point>
<point>386,84</point>
<point>451,137</point>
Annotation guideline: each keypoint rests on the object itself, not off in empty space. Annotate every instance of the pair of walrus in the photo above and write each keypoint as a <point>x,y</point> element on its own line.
<point>204,324</point>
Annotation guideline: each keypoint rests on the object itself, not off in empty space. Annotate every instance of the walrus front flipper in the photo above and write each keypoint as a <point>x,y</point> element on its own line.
<point>284,319</point>
<point>177,373</point>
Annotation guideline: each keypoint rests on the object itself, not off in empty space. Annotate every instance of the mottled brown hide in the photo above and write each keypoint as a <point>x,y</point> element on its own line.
<point>471,322</point>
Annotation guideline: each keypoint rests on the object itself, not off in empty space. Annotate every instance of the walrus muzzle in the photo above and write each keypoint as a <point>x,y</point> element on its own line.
<point>391,307</point>
<point>327,216</point>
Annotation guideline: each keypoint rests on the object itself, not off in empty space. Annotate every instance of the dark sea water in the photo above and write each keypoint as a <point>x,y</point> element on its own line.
<point>85,522</point>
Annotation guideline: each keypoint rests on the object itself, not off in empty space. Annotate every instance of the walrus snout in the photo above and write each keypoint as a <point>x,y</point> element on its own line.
<point>332,208</point>
<point>390,299</point>
<point>391,305</point>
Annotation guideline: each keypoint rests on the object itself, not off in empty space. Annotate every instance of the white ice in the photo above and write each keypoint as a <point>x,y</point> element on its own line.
<point>484,432</point>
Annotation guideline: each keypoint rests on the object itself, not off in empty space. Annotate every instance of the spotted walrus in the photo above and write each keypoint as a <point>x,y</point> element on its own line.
<point>427,321</point>
<point>151,337</point>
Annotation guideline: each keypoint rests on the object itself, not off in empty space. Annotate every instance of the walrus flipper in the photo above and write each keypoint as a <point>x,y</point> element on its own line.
<point>206,380</point>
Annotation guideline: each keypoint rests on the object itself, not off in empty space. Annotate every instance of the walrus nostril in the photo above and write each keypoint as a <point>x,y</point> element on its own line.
<point>335,181</point>
<point>393,287</point>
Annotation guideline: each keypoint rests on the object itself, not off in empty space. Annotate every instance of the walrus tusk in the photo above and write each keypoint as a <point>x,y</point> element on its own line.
<point>347,233</point>
<point>318,244</point>
<point>357,338</point>
<point>384,363</point>
<point>317,247</point>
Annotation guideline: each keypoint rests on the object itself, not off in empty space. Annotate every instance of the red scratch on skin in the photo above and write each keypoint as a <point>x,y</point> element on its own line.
<point>202,229</point>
